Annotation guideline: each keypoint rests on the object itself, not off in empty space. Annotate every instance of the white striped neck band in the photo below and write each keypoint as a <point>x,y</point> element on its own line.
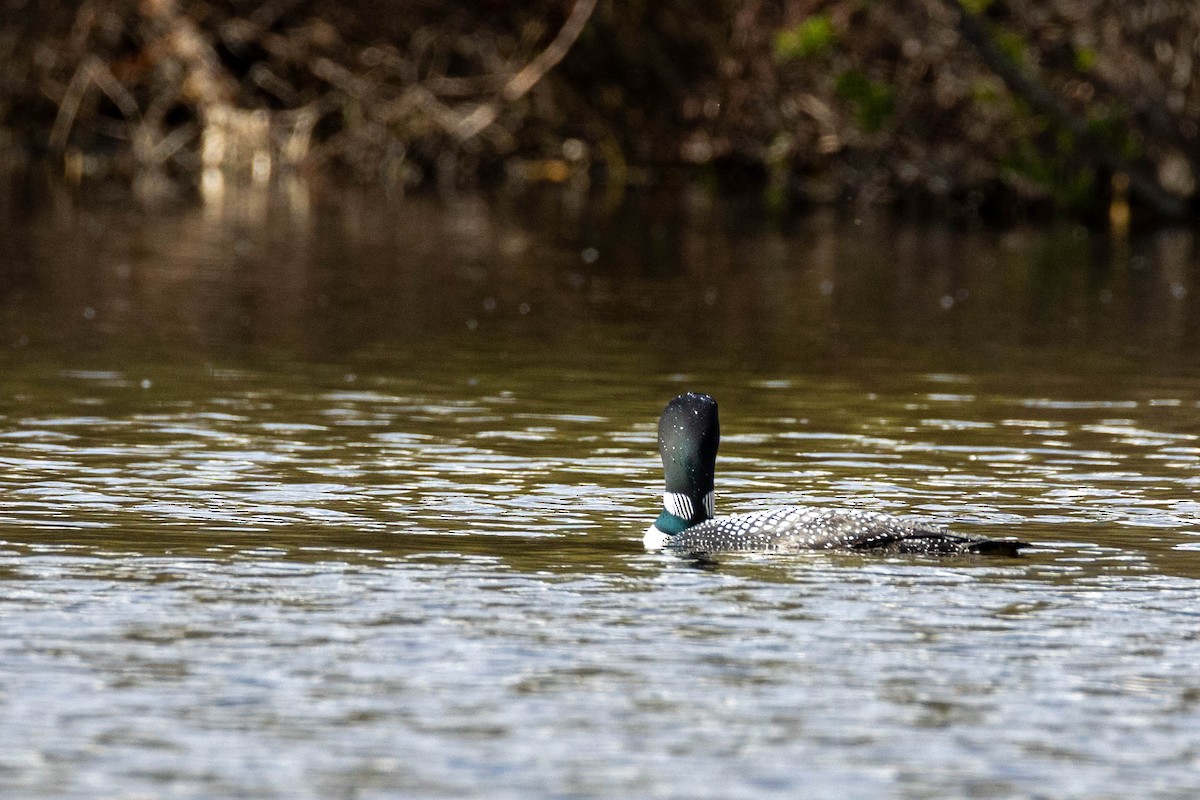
<point>681,505</point>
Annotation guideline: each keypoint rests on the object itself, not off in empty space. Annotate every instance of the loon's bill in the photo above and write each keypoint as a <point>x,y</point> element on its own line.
<point>688,436</point>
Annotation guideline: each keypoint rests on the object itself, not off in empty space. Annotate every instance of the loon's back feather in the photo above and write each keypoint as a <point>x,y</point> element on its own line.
<point>797,528</point>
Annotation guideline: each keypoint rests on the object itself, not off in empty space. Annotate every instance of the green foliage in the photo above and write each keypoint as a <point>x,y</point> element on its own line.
<point>1071,187</point>
<point>1061,161</point>
<point>987,90</point>
<point>975,6</point>
<point>1085,59</point>
<point>874,103</point>
<point>1107,129</point>
<point>811,38</point>
<point>1012,45</point>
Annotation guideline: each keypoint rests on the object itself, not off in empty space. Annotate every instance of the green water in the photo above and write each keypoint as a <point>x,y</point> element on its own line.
<point>344,498</point>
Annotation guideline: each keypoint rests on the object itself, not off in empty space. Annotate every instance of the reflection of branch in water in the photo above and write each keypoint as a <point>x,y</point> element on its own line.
<point>484,115</point>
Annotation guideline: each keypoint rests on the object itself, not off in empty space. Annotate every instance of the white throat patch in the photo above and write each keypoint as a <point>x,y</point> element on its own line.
<point>654,538</point>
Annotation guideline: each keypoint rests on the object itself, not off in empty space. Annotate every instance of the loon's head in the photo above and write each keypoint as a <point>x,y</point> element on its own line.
<point>688,436</point>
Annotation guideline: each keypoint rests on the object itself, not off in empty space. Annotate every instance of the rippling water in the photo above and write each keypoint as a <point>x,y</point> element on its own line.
<point>354,509</point>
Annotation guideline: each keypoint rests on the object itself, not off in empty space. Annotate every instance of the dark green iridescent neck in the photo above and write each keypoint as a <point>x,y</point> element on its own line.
<point>670,524</point>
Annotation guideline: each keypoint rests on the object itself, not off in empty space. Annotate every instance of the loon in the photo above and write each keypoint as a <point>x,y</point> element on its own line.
<point>688,436</point>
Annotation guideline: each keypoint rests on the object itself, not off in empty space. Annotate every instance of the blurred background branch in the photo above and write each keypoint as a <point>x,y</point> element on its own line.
<point>992,108</point>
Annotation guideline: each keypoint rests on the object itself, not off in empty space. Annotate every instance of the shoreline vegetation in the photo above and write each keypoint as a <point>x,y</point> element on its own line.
<point>969,109</point>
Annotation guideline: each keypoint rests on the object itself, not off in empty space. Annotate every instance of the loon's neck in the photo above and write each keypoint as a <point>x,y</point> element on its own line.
<point>679,513</point>
<point>688,436</point>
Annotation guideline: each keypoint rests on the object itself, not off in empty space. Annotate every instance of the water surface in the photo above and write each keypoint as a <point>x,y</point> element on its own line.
<point>345,498</point>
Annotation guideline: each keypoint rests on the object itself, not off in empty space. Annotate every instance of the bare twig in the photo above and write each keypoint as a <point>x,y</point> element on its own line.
<point>535,70</point>
<point>517,86</point>
<point>91,71</point>
<point>207,84</point>
<point>172,143</point>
